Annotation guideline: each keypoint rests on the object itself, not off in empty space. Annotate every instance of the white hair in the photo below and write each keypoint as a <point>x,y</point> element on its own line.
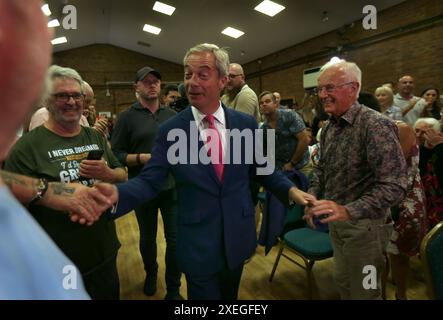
<point>349,68</point>
<point>430,122</point>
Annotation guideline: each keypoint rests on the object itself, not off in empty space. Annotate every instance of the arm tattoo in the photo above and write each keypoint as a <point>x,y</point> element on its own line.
<point>11,178</point>
<point>61,189</point>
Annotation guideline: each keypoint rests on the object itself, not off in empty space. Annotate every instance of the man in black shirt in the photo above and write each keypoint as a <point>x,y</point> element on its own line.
<point>132,141</point>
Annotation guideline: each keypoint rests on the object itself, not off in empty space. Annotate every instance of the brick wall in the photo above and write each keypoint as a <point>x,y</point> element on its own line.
<point>101,63</point>
<point>415,52</point>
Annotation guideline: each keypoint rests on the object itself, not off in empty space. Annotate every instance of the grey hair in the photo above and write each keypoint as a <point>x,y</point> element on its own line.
<point>220,54</point>
<point>349,68</point>
<point>55,72</point>
<point>431,123</point>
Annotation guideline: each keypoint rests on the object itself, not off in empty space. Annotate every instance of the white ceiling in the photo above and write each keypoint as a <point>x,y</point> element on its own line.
<point>120,23</point>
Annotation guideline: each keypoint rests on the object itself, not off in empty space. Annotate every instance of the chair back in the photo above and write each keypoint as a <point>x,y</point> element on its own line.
<point>431,252</point>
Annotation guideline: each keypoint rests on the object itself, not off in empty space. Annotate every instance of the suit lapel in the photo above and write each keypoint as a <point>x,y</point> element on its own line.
<point>230,124</point>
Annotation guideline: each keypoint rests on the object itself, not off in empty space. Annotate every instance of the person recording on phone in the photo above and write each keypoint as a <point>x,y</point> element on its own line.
<point>62,150</point>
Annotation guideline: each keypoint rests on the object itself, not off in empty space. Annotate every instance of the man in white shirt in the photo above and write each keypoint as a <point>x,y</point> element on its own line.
<point>405,99</point>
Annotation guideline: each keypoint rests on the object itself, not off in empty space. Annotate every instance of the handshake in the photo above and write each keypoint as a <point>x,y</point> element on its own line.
<point>84,204</point>
<point>325,210</point>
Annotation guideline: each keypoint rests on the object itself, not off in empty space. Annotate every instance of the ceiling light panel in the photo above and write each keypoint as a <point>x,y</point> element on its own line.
<point>163,8</point>
<point>45,9</point>
<point>53,23</point>
<point>151,29</point>
<point>232,32</point>
<point>269,8</point>
<point>59,40</point>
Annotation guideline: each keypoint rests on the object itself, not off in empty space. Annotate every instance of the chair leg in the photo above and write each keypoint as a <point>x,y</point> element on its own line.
<point>280,251</point>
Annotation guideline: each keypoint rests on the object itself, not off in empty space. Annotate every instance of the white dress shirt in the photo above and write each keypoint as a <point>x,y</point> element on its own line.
<point>220,124</point>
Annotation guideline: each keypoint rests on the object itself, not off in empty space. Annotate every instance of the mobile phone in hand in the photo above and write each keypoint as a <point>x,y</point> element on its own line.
<point>95,155</point>
<point>92,155</point>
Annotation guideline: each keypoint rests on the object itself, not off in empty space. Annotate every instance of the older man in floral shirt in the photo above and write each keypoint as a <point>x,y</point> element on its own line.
<point>360,175</point>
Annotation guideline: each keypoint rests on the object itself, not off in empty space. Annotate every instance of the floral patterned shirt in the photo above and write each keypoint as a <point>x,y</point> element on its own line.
<point>289,124</point>
<point>361,165</point>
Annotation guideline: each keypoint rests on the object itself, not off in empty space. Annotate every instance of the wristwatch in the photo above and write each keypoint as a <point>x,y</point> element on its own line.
<point>42,187</point>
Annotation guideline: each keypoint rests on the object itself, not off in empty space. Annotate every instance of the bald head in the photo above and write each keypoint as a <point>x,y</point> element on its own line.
<point>238,69</point>
<point>236,79</point>
<point>405,86</point>
<point>25,53</point>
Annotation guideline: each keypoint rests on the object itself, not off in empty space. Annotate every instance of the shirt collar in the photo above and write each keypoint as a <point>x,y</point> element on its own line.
<point>279,112</point>
<point>219,115</point>
<point>349,116</point>
<point>400,97</point>
<point>138,105</point>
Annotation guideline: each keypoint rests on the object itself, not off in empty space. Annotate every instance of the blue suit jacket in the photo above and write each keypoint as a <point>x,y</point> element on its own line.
<point>216,224</point>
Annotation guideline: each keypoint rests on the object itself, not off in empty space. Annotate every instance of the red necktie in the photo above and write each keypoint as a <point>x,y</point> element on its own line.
<point>216,163</point>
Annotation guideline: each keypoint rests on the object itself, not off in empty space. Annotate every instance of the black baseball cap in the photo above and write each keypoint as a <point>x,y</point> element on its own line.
<point>143,72</point>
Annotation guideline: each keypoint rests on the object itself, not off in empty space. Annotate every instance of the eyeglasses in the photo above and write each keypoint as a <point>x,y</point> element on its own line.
<point>233,76</point>
<point>331,87</point>
<point>63,97</point>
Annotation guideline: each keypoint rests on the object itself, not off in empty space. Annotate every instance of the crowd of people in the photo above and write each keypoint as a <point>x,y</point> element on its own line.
<point>374,163</point>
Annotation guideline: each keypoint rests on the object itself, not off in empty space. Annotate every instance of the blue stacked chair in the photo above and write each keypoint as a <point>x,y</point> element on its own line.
<point>431,252</point>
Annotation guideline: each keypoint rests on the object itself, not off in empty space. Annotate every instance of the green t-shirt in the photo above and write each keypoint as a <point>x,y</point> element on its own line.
<point>44,154</point>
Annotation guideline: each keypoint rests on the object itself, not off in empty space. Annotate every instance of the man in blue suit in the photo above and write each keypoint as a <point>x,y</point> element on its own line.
<point>216,225</point>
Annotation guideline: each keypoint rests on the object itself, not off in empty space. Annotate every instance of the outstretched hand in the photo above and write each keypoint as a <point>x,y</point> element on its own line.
<point>104,195</point>
<point>85,203</point>
<point>300,197</point>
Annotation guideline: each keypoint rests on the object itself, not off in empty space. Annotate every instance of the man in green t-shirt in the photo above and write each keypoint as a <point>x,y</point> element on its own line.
<point>58,151</point>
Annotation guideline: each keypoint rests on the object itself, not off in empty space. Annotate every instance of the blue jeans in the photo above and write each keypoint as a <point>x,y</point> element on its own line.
<point>147,214</point>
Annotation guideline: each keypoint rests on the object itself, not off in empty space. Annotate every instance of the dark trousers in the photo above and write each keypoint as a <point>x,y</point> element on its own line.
<point>103,283</point>
<point>147,214</point>
<point>222,285</point>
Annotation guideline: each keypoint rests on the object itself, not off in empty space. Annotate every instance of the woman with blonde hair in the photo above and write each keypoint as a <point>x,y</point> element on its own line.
<point>385,98</point>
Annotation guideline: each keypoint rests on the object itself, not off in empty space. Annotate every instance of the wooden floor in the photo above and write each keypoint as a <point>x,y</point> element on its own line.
<point>289,280</point>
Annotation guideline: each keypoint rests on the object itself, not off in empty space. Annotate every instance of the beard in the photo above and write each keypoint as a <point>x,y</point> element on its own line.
<point>148,97</point>
<point>232,92</point>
